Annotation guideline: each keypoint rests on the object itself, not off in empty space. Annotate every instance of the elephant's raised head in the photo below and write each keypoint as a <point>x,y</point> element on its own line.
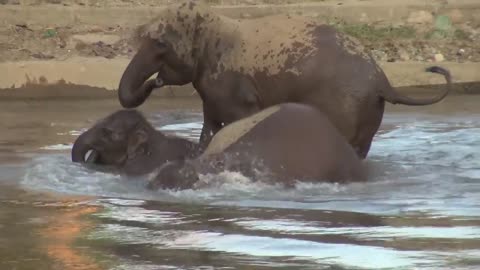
<point>120,136</point>
<point>167,48</point>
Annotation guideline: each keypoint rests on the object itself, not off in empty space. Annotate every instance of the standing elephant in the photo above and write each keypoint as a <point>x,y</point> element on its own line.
<point>281,144</point>
<point>126,141</point>
<point>240,67</point>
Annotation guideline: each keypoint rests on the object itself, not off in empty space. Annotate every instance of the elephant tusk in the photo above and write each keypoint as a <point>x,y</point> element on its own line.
<point>92,157</point>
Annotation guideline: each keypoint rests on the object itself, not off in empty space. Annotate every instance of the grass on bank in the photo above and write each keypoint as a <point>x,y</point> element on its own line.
<point>376,33</point>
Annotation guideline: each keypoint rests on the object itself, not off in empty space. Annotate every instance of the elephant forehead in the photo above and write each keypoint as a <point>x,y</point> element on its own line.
<point>176,18</point>
<point>231,133</point>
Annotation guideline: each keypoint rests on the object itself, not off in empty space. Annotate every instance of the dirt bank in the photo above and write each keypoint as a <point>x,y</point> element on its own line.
<point>88,41</point>
<point>394,30</point>
<point>106,73</point>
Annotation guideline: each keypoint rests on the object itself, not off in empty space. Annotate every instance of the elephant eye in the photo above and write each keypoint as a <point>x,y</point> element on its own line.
<point>107,132</point>
<point>116,136</point>
<point>161,47</point>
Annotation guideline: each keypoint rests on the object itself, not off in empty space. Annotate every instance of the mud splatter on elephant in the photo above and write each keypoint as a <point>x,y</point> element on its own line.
<point>240,67</point>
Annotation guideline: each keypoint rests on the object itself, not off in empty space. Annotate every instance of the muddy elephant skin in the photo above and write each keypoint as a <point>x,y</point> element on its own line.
<point>126,141</point>
<point>239,67</point>
<point>281,144</point>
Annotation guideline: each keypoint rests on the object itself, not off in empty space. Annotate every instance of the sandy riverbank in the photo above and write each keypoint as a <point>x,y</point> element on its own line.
<point>105,74</point>
<point>88,42</point>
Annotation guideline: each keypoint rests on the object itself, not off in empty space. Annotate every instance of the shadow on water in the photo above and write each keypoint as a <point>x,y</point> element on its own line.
<point>420,211</point>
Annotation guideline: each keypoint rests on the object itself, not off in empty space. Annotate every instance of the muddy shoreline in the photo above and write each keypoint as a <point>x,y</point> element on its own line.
<point>78,92</point>
<point>35,79</point>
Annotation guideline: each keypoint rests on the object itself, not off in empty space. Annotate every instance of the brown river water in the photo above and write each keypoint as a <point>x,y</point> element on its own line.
<point>420,210</point>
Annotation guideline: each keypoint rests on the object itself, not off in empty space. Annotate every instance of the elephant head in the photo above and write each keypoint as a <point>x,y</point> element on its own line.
<point>125,140</point>
<point>167,48</point>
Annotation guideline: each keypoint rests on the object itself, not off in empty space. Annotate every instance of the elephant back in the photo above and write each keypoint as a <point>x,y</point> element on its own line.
<point>231,133</point>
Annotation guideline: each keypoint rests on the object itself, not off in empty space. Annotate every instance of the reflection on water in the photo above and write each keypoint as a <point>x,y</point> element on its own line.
<point>421,210</point>
<point>60,235</point>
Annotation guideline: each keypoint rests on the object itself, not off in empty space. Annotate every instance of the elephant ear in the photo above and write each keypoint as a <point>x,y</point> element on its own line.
<point>136,142</point>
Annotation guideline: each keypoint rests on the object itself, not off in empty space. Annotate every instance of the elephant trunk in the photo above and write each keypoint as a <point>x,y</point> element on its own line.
<point>134,87</point>
<point>81,146</point>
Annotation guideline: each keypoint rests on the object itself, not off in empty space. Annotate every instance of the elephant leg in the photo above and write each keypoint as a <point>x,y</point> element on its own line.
<point>362,147</point>
<point>206,135</point>
<point>367,128</point>
<point>208,131</point>
<point>210,127</point>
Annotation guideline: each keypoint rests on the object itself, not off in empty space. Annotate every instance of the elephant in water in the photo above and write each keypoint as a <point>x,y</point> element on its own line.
<point>126,141</point>
<point>281,144</point>
<point>239,67</point>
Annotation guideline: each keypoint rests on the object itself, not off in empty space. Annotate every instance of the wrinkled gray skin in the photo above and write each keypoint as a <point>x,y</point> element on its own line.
<point>126,141</point>
<point>241,67</point>
<point>281,144</point>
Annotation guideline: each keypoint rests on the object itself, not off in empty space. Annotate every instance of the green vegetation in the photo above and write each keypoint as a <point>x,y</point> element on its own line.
<point>442,34</point>
<point>442,29</point>
<point>49,33</point>
<point>372,33</point>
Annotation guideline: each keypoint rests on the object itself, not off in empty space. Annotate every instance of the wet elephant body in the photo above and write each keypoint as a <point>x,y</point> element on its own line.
<point>241,67</point>
<point>126,141</point>
<point>281,144</point>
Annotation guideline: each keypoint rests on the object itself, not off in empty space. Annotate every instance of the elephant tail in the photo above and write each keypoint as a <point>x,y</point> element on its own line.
<point>396,98</point>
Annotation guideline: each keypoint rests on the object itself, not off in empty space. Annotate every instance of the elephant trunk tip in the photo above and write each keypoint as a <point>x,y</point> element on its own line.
<point>131,97</point>
<point>81,146</point>
<point>126,99</point>
<point>127,104</point>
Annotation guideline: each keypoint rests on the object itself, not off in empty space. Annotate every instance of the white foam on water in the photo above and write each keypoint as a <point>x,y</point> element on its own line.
<point>377,232</point>
<point>185,130</point>
<point>183,127</point>
<point>57,147</point>
<point>58,174</point>
<point>390,196</point>
<point>139,214</point>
